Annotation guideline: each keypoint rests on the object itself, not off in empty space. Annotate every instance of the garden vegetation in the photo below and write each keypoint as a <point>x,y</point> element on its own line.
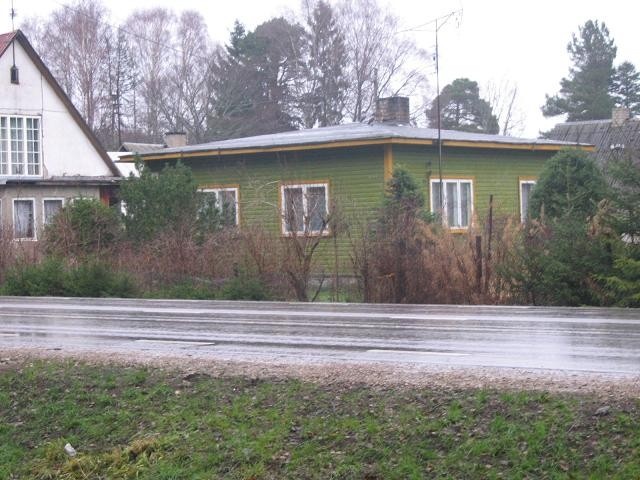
<point>579,246</point>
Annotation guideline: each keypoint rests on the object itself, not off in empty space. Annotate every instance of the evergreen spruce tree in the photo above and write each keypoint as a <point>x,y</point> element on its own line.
<point>585,92</point>
<point>626,87</point>
<point>326,83</point>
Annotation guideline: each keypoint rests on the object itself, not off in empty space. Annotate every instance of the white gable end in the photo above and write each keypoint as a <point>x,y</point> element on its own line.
<point>65,149</point>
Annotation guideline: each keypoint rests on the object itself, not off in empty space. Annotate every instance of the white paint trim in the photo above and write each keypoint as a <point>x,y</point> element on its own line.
<point>25,150</point>
<point>44,211</point>
<point>217,191</point>
<point>458,211</point>
<point>520,183</point>
<point>304,187</point>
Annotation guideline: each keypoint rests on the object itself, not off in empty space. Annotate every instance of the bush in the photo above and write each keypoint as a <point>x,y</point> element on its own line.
<point>570,185</point>
<point>84,227</point>
<point>622,287</point>
<point>53,278</point>
<point>558,263</point>
<point>244,287</point>
<point>45,279</point>
<point>94,279</point>
<point>184,291</point>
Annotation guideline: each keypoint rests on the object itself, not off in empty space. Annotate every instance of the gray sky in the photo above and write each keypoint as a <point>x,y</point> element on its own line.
<point>494,40</point>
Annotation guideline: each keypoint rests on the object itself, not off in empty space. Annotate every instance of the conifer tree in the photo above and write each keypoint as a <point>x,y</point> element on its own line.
<point>626,87</point>
<point>585,92</point>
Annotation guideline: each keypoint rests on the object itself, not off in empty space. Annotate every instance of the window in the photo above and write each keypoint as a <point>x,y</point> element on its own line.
<point>15,75</point>
<point>221,203</point>
<point>457,201</point>
<point>20,146</point>
<point>50,208</point>
<point>305,208</point>
<point>23,219</point>
<point>526,187</point>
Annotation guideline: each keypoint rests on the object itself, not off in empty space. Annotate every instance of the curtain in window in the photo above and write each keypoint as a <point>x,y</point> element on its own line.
<point>17,146</point>
<point>23,220</point>
<point>294,209</point>
<point>51,209</point>
<point>316,208</point>
<point>227,205</point>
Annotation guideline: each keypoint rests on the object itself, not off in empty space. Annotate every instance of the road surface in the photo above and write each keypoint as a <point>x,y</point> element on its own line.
<point>569,339</point>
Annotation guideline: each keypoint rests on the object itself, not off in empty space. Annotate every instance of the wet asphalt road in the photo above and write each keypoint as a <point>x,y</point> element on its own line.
<point>571,339</point>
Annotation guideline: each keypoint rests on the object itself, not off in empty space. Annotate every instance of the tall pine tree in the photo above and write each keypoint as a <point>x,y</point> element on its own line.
<point>462,109</point>
<point>585,92</point>
<point>626,87</point>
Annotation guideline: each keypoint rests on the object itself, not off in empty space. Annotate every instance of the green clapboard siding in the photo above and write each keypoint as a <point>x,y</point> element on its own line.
<point>356,180</point>
<point>355,177</point>
<point>494,172</point>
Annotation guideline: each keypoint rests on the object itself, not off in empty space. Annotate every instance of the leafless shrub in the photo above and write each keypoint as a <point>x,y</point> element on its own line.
<point>426,263</point>
<point>16,252</point>
<point>173,257</point>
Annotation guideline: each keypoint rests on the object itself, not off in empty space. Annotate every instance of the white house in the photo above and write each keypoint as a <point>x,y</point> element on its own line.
<point>48,154</point>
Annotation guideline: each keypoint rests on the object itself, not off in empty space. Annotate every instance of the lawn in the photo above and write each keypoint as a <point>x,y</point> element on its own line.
<point>144,423</point>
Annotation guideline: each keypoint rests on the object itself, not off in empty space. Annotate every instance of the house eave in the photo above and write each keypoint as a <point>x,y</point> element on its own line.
<point>352,143</point>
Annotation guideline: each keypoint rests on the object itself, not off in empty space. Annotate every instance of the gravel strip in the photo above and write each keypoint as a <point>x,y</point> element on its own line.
<point>351,374</point>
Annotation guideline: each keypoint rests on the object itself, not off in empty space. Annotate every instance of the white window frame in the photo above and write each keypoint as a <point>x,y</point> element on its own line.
<point>35,230</point>
<point>44,210</point>
<point>217,191</point>
<point>25,148</point>
<point>523,217</point>
<point>458,212</point>
<point>304,187</point>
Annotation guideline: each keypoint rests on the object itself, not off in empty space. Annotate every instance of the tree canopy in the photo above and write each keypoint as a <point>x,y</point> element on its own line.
<point>626,87</point>
<point>570,185</point>
<point>585,92</point>
<point>462,109</point>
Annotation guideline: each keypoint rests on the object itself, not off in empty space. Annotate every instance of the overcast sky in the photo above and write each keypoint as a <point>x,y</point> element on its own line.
<point>494,40</point>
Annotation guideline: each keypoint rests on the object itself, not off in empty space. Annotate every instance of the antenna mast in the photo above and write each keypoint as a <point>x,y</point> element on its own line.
<point>444,19</point>
<point>13,15</point>
<point>13,29</point>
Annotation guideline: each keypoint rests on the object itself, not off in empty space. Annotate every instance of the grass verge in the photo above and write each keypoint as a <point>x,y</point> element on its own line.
<point>144,423</point>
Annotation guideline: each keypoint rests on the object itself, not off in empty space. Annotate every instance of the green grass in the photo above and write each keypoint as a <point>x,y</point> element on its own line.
<point>142,423</point>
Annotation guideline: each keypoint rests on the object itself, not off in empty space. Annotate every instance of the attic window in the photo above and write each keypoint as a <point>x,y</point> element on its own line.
<point>15,77</point>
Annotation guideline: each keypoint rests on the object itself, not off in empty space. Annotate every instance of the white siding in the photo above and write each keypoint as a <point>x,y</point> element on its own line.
<point>65,148</point>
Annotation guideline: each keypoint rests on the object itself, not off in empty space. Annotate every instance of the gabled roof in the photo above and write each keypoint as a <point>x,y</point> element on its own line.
<point>5,41</point>
<point>607,137</point>
<point>356,134</point>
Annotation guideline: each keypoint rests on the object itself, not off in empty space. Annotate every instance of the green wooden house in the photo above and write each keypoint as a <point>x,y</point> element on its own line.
<point>290,181</point>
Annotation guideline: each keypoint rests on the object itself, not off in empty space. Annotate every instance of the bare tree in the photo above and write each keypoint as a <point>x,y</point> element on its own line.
<point>73,43</point>
<point>381,62</point>
<point>150,39</point>
<point>503,97</point>
<point>187,102</point>
<point>122,82</point>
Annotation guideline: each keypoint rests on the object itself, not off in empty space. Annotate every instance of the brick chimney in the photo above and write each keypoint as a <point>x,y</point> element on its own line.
<point>175,139</point>
<point>619,115</point>
<point>392,110</point>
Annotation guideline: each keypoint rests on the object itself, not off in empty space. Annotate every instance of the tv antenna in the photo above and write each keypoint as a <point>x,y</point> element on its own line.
<point>440,22</point>
<point>13,16</point>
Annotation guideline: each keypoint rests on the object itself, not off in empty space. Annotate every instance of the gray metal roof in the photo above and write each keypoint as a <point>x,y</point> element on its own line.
<point>353,132</point>
<point>135,147</point>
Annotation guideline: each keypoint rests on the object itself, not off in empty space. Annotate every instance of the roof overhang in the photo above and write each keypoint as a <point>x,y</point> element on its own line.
<point>63,181</point>
<point>350,143</point>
